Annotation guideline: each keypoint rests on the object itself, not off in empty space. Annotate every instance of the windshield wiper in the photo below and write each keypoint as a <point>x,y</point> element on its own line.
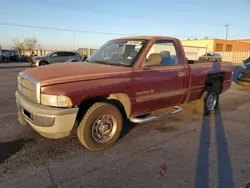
<point>101,62</point>
<point>108,63</point>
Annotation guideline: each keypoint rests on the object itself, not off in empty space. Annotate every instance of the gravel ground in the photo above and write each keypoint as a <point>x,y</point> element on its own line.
<point>185,150</point>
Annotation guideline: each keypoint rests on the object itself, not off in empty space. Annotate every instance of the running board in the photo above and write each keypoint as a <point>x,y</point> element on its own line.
<point>175,110</point>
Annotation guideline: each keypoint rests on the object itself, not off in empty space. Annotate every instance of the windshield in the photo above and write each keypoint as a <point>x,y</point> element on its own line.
<point>209,54</point>
<point>119,53</point>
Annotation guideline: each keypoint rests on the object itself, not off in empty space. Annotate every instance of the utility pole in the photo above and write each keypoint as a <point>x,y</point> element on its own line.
<point>73,40</point>
<point>227,27</point>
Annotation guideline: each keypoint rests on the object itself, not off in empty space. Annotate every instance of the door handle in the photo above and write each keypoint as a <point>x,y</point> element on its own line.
<point>180,74</point>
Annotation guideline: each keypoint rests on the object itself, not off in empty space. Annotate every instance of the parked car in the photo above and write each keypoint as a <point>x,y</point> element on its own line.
<point>10,55</point>
<point>244,75</point>
<point>4,58</point>
<point>56,57</point>
<point>24,58</point>
<point>146,74</point>
<point>211,57</point>
<point>246,60</point>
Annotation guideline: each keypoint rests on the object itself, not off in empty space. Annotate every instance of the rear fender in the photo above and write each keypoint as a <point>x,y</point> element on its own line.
<point>215,80</point>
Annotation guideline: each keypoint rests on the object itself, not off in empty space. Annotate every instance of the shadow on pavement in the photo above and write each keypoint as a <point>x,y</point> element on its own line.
<point>127,127</point>
<point>225,173</point>
<point>7,149</point>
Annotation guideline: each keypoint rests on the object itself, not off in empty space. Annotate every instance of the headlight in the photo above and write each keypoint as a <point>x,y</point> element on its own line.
<point>57,101</point>
<point>36,62</point>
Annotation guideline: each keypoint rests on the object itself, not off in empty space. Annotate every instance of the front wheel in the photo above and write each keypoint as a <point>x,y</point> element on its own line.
<point>100,127</point>
<point>42,63</point>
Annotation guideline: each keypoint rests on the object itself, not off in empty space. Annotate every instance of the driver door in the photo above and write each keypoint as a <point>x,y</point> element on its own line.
<point>166,84</point>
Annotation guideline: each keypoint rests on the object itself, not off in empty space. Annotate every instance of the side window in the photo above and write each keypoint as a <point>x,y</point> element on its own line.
<point>67,54</point>
<point>168,51</point>
<point>60,54</point>
<point>55,54</point>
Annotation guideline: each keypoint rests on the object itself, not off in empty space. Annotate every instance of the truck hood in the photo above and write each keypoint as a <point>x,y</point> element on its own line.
<point>72,72</point>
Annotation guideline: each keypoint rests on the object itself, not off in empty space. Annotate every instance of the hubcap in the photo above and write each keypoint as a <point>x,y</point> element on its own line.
<point>104,128</point>
<point>211,101</point>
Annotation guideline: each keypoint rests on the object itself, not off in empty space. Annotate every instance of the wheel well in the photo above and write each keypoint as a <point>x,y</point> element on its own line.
<point>43,61</point>
<point>120,100</point>
<point>215,81</point>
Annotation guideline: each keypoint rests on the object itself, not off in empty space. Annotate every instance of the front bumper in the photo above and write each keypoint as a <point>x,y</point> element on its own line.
<point>243,82</point>
<point>243,77</point>
<point>48,121</point>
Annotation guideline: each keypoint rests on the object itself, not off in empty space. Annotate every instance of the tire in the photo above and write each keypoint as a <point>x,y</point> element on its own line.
<point>42,63</point>
<point>208,102</point>
<point>91,125</point>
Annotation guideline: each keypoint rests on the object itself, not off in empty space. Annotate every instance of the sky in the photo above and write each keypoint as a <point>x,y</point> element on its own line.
<point>176,18</point>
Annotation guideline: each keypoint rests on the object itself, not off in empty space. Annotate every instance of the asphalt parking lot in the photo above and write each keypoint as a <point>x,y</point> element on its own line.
<point>185,150</point>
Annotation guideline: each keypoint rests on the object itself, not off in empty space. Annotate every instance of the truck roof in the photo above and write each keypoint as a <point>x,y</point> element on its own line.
<point>145,38</point>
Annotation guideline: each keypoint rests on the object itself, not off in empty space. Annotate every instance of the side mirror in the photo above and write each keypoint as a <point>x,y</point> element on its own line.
<point>154,59</point>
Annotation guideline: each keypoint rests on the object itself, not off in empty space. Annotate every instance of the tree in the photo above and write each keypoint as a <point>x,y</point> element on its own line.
<point>18,45</point>
<point>27,44</point>
<point>30,43</point>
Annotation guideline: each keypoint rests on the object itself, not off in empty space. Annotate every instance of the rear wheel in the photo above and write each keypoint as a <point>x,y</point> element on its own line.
<point>100,127</point>
<point>208,101</point>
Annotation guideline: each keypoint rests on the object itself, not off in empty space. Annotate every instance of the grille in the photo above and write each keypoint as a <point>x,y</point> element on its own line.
<point>29,87</point>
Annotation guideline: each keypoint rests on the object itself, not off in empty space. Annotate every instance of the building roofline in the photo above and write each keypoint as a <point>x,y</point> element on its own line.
<point>194,46</point>
<point>240,39</point>
<point>202,39</point>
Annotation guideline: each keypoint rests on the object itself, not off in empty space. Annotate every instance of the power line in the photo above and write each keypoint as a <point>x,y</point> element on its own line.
<point>60,29</point>
<point>71,30</point>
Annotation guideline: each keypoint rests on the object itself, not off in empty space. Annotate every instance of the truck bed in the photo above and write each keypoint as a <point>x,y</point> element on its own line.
<point>200,71</point>
<point>198,61</point>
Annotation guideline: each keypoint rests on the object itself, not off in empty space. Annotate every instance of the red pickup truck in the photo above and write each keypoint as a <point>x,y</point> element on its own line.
<point>127,78</point>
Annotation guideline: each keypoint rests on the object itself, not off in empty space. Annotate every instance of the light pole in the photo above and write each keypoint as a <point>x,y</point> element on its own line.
<point>227,27</point>
<point>73,40</point>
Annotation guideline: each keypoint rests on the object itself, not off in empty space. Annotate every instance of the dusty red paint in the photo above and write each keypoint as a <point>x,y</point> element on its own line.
<point>81,81</point>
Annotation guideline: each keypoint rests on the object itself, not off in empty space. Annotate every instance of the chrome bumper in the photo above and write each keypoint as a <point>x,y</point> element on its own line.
<point>48,121</point>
